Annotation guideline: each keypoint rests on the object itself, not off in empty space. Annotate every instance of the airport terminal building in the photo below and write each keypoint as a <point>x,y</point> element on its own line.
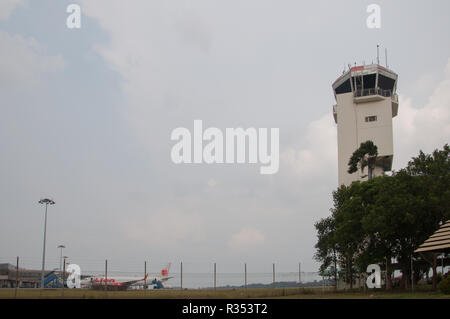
<point>25,277</point>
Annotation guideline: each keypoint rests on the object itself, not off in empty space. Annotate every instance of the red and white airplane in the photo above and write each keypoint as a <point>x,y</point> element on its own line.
<point>126,282</point>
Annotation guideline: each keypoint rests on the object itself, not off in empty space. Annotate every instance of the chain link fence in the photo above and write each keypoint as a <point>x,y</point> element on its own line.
<point>181,275</point>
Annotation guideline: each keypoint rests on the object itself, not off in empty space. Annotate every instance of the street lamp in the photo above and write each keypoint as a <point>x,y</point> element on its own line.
<point>64,274</point>
<point>47,202</point>
<point>61,247</point>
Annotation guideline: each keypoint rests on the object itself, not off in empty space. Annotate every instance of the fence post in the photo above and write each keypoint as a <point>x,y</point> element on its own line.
<point>181,274</point>
<point>299,274</point>
<point>387,274</point>
<point>299,277</point>
<point>323,285</point>
<point>215,277</point>
<point>412,274</point>
<point>106,275</point>
<point>17,277</point>
<point>273,274</point>
<point>145,278</point>
<point>245,275</point>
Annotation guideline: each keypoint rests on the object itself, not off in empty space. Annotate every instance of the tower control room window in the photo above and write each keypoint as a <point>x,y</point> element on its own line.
<point>372,118</point>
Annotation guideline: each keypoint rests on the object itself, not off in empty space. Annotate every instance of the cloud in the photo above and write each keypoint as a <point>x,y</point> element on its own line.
<point>246,239</point>
<point>22,61</point>
<point>212,183</point>
<point>193,31</point>
<point>319,156</point>
<point>8,6</point>
<point>179,62</point>
<point>165,228</point>
<point>422,128</point>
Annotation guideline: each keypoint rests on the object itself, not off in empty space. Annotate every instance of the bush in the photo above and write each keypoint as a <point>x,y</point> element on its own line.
<point>444,285</point>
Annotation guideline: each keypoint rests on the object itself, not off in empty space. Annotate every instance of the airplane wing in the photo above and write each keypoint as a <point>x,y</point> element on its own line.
<point>131,282</point>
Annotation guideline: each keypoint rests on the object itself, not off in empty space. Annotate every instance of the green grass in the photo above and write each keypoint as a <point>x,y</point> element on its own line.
<point>288,293</point>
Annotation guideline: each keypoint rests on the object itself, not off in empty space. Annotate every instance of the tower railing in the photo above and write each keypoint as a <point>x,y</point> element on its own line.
<point>372,91</point>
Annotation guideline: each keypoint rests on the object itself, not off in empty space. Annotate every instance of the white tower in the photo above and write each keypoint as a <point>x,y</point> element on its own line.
<point>366,103</point>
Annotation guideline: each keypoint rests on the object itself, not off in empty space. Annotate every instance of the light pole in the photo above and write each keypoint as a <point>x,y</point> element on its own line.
<point>61,247</point>
<point>64,268</point>
<point>47,202</point>
<point>64,274</point>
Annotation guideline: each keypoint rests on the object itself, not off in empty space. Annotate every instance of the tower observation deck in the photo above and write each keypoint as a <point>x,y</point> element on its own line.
<point>366,102</point>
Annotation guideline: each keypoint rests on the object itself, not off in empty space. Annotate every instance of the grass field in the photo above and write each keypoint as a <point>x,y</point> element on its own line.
<point>287,293</point>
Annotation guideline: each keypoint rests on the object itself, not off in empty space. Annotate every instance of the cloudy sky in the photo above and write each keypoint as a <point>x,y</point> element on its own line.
<point>86,118</point>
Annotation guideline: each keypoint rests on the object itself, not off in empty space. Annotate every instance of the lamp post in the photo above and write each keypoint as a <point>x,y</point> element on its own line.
<point>64,274</point>
<point>47,202</point>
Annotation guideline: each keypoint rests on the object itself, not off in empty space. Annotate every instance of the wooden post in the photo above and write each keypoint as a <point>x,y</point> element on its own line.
<point>181,275</point>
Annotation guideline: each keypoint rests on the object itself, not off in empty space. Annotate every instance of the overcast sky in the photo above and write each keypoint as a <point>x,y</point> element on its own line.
<point>86,117</point>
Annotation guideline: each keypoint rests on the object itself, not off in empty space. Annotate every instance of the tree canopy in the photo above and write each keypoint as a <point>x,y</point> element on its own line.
<point>386,217</point>
<point>364,155</point>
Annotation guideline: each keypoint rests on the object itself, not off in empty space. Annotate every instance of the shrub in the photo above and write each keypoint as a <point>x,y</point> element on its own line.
<point>444,285</point>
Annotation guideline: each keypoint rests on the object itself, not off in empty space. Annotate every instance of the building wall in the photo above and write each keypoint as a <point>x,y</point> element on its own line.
<point>354,130</point>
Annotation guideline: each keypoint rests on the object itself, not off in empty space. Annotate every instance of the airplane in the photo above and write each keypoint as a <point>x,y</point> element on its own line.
<point>157,281</point>
<point>127,282</point>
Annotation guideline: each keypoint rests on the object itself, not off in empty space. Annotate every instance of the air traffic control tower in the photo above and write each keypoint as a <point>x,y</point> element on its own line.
<point>366,103</point>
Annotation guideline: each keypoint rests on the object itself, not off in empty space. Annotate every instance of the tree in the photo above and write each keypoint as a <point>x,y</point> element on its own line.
<point>327,248</point>
<point>433,172</point>
<point>348,234</point>
<point>387,217</point>
<point>393,220</point>
<point>365,155</point>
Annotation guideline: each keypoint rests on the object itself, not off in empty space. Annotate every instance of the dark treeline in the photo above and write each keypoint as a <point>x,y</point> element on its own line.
<point>385,218</point>
<point>280,284</point>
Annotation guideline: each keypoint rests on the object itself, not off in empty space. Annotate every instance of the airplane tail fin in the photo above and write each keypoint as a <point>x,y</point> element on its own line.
<point>165,271</point>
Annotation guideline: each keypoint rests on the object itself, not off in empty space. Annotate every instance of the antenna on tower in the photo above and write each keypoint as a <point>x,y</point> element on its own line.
<point>378,54</point>
<point>385,54</point>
